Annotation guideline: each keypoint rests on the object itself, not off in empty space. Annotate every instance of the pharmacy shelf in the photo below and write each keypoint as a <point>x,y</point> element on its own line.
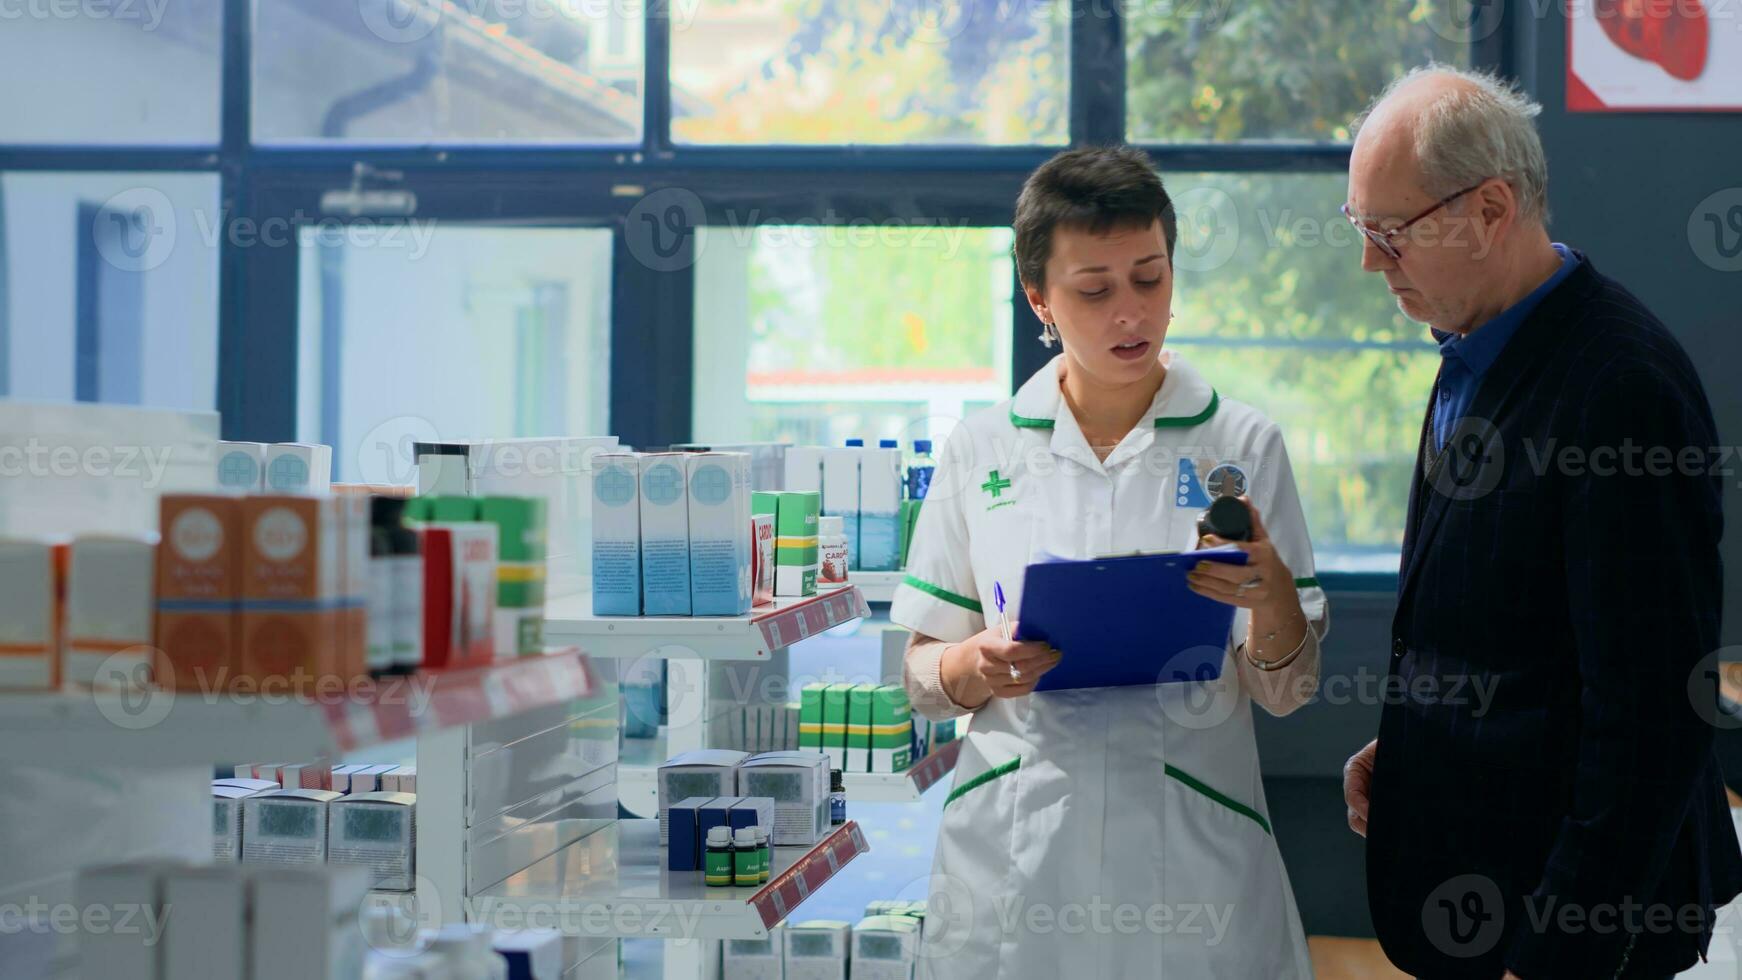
<point>752,637</point>
<point>614,883</point>
<point>189,728</point>
<point>638,786</point>
<point>878,587</point>
<point>901,787</point>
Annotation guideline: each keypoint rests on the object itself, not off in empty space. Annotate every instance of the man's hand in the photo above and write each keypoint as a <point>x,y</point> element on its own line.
<point>1357,779</point>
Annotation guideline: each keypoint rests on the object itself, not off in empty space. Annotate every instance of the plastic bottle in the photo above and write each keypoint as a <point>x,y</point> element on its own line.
<point>467,953</point>
<point>746,868</point>
<point>837,798</point>
<point>919,472</point>
<point>831,551</point>
<point>717,863</point>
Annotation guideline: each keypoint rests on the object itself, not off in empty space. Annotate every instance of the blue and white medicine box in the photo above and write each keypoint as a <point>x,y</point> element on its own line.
<point>684,850</point>
<point>617,535</point>
<point>719,527</point>
<point>879,544</point>
<point>665,534</point>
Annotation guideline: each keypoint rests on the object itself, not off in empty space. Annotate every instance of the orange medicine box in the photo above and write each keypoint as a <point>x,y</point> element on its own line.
<point>30,616</point>
<point>291,554</point>
<point>199,578</point>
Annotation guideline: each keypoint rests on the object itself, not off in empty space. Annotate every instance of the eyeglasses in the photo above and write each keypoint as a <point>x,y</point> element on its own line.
<point>1385,240</point>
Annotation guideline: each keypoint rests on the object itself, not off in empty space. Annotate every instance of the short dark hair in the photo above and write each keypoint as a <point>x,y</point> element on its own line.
<point>1098,188</point>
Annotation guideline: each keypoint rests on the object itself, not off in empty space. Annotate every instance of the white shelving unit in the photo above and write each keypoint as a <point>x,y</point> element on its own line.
<point>165,729</point>
<point>877,587</point>
<point>614,883</point>
<point>753,637</point>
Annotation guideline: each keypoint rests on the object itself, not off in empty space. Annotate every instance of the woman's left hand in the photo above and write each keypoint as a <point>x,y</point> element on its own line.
<point>1264,581</point>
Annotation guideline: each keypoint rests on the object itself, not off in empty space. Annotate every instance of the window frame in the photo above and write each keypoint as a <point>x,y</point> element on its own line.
<point>652,312</point>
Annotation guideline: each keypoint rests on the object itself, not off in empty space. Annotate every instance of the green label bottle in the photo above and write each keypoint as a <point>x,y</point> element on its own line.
<point>717,864</point>
<point>746,866</point>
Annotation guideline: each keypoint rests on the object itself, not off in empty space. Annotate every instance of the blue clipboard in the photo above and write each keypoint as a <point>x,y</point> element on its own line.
<point>1126,622</point>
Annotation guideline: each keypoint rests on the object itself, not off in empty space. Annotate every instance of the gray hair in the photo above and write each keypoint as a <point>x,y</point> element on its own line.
<point>1469,134</point>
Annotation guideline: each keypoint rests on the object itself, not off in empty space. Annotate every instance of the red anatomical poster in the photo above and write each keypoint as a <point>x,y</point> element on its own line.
<point>1631,55</point>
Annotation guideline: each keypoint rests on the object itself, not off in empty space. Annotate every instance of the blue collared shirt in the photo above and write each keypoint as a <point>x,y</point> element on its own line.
<point>1464,359</point>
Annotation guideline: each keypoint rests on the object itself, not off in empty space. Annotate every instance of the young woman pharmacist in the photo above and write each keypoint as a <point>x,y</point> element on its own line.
<point>1121,832</point>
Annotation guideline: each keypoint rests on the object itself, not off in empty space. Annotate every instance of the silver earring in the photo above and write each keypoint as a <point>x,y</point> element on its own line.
<point>1049,334</point>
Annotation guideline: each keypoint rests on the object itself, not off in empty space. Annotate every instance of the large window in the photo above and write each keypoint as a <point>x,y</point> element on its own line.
<point>108,288</point>
<point>419,332</point>
<point>815,334</point>
<point>871,71</point>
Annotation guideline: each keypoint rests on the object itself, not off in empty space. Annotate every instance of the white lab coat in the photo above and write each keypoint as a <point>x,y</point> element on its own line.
<point>1116,833</point>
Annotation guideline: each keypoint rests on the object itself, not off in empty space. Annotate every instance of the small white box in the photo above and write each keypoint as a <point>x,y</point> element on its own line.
<point>665,535</point>
<point>305,923</point>
<point>206,937</point>
<point>27,615</point>
<point>703,772</point>
<point>841,494</point>
<point>377,831</point>
<point>754,959</point>
<point>242,466</point>
<point>885,947</point>
<point>798,783</point>
<point>617,535</point>
<point>299,467</point>
<point>817,950</point>
<point>227,797</point>
<point>367,779</point>
<point>719,529</point>
<point>342,776</point>
<point>114,954</point>
<point>286,827</point>
<point>442,469</point>
<point>804,468</point>
<point>110,602</point>
<point>879,537</point>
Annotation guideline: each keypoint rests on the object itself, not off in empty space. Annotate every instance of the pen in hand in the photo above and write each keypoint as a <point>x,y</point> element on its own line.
<point>1004,625</point>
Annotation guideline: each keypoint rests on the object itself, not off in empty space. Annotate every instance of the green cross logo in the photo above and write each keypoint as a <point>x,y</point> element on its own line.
<point>995,485</point>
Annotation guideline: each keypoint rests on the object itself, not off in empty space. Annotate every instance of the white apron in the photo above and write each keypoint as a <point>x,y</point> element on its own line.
<point>1116,833</point>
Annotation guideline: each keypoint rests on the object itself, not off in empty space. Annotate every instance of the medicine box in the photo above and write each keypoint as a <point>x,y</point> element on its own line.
<point>704,772</point>
<point>368,779</point>
<point>880,485</point>
<point>841,494</point>
<point>520,573</point>
<point>30,615</point>
<point>459,594</point>
<point>804,468</point>
<point>810,717</point>
<point>665,535</point>
<point>683,851</point>
<point>617,535</point>
<point>719,529</point>
<point>817,950</point>
<point>762,559</point>
<point>835,701</point>
<point>199,582</point>
<point>242,467</point>
<point>286,827</point>
<point>891,729</point>
<point>377,831</point>
<point>205,936</point>
<point>752,811</point>
<point>798,785</point>
<point>299,467</point>
<point>291,552</point>
<point>109,607</point>
<point>117,954</point>
<point>352,621</point>
<point>795,543</point>
<point>443,468</point>
<point>754,959</point>
<point>227,797</point>
<point>314,934</point>
<point>885,947</point>
<point>858,728</point>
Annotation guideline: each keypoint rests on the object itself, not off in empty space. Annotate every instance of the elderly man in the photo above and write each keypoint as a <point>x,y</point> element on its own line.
<point>1543,799</point>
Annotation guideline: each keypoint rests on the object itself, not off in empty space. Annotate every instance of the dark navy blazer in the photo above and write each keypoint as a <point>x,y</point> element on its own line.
<point>1546,789</point>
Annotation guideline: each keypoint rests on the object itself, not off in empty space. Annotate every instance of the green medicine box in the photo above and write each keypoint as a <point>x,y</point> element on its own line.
<point>795,540</point>
<point>891,729</point>
<point>810,717</point>
<point>520,571</point>
<point>452,510</point>
<point>859,728</point>
<point>835,698</point>
<point>909,521</point>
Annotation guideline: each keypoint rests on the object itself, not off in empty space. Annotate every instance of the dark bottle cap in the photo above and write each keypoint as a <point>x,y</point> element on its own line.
<point>1227,518</point>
